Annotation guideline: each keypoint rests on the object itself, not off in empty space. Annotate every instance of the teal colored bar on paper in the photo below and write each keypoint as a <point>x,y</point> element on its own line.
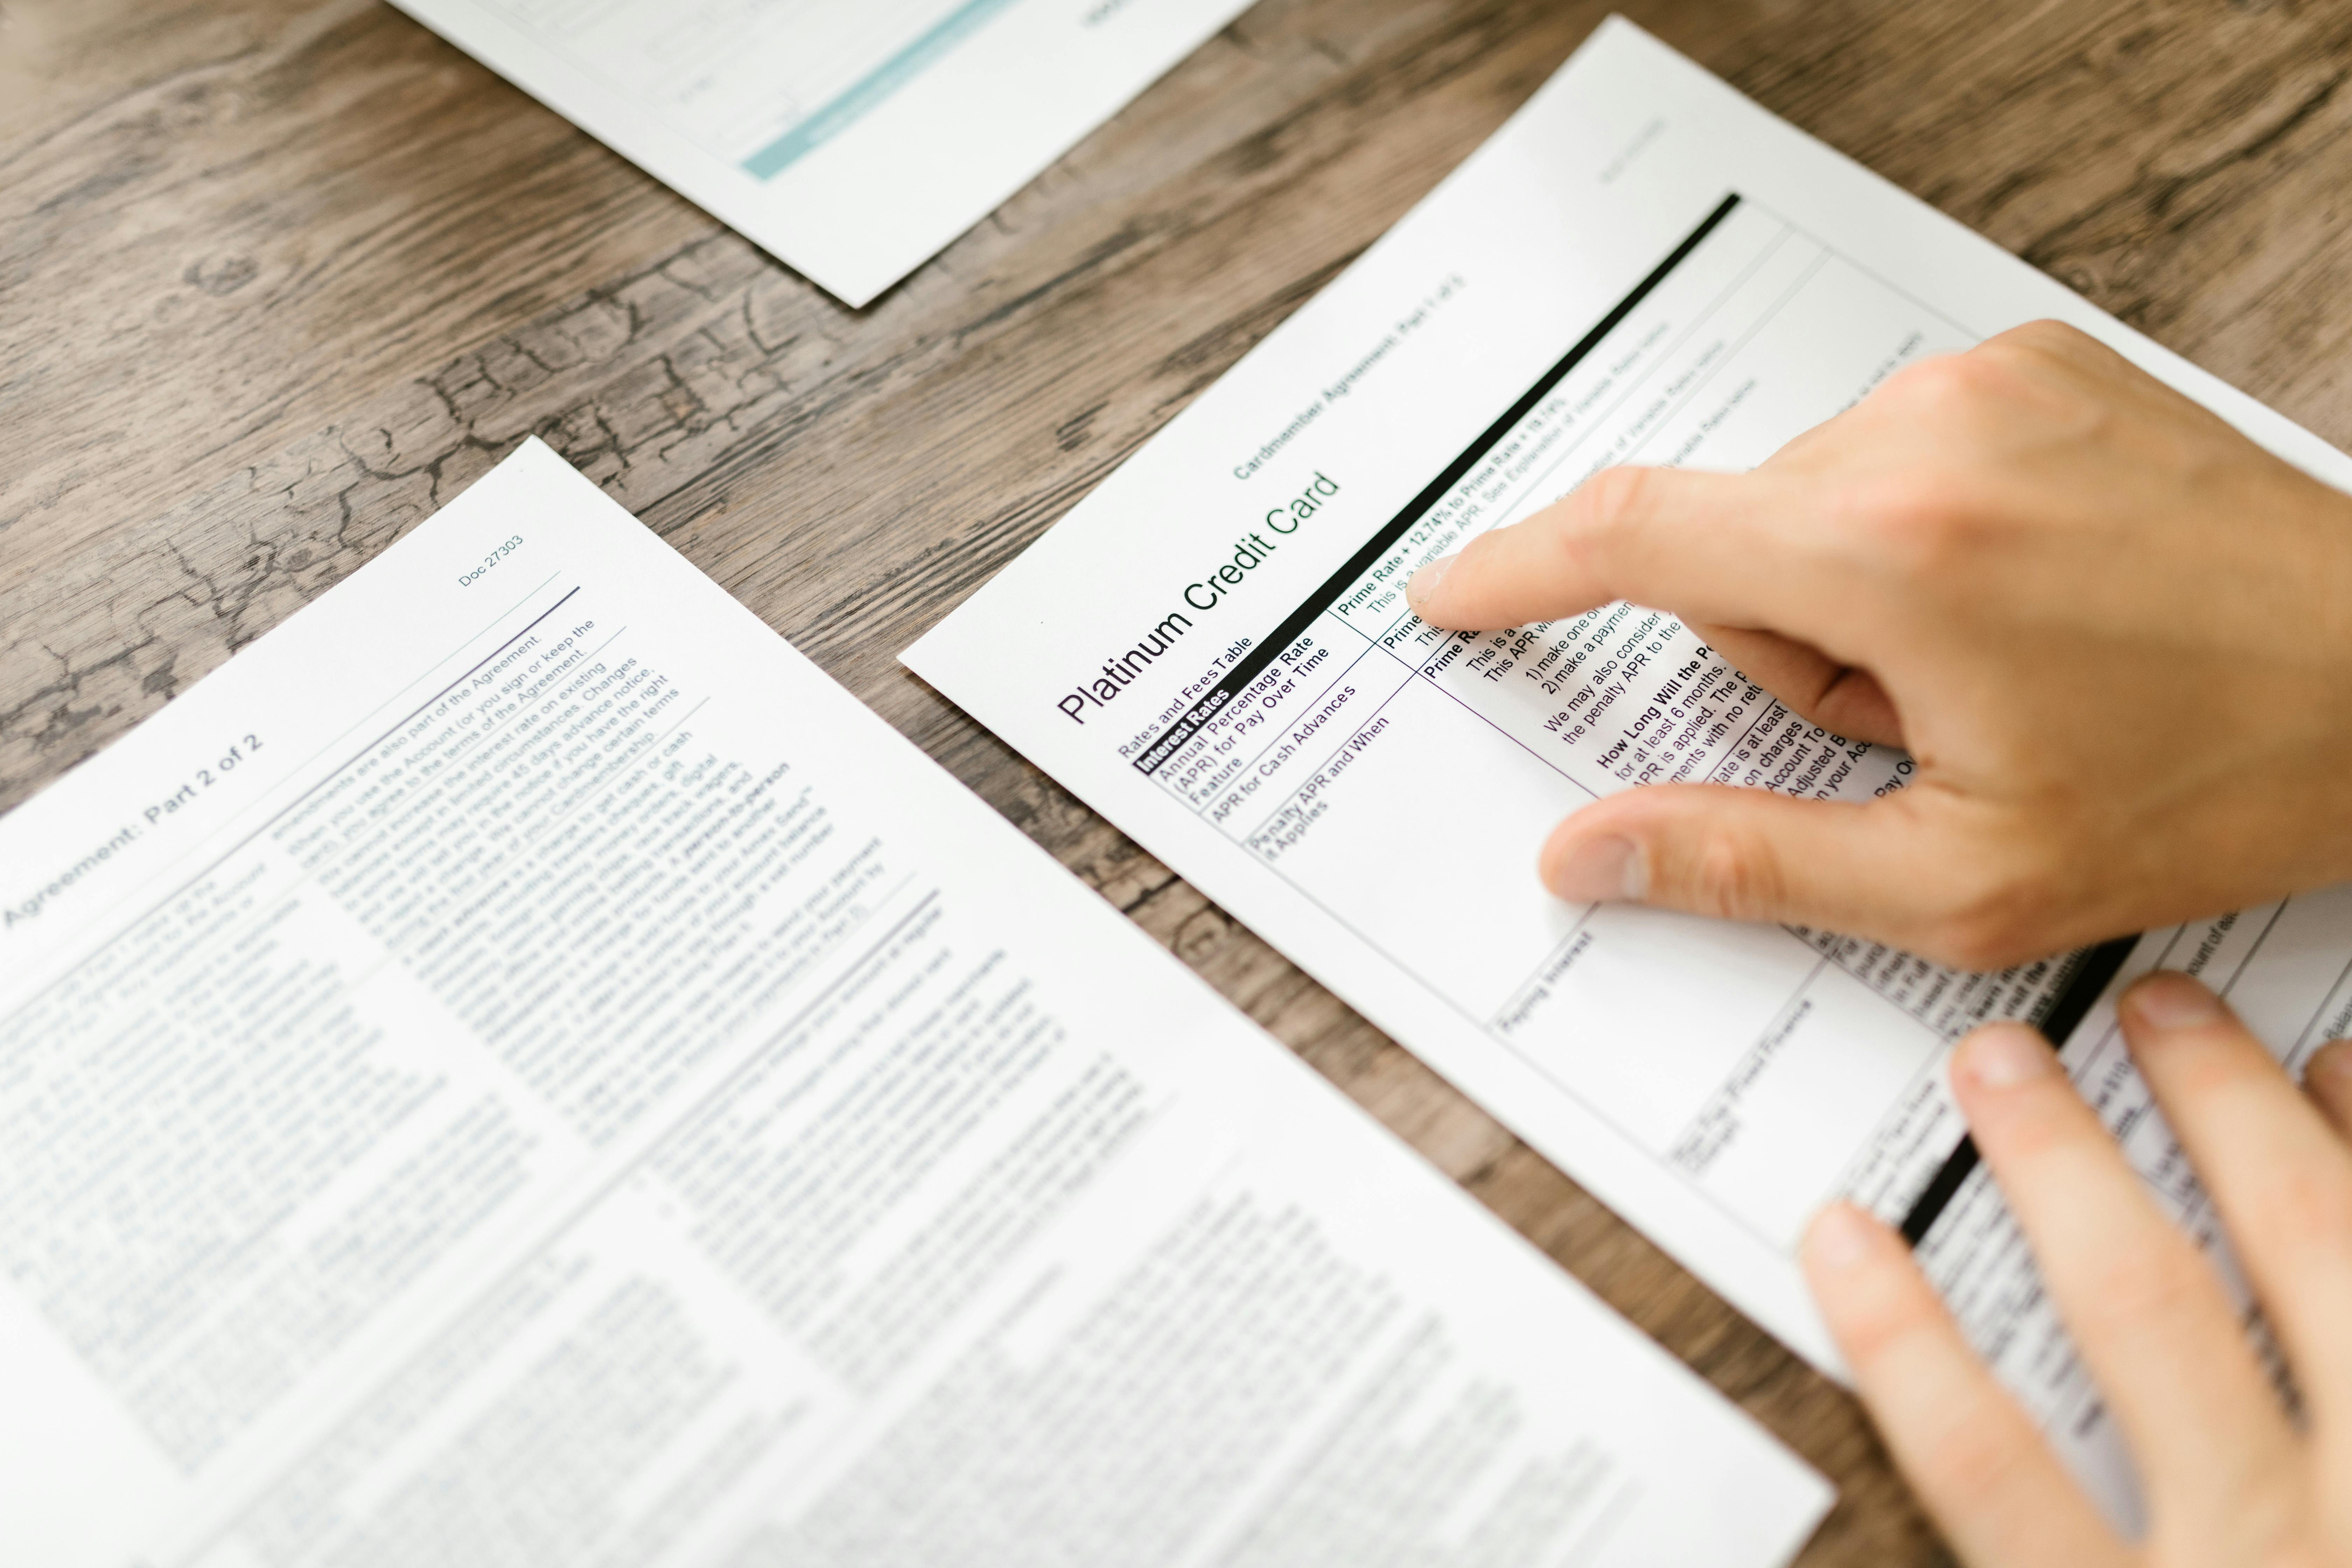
<point>876,85</point>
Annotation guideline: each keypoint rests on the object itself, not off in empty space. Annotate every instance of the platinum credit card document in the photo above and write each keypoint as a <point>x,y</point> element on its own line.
<point>1215,652</point>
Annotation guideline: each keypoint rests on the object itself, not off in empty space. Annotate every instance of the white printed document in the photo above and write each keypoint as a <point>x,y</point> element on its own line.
<point>1213,650</point>
<point>518,1067</point>
<point>852,139</point>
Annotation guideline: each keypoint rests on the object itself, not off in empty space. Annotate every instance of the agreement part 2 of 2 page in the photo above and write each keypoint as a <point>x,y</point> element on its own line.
<point>518,1066</point>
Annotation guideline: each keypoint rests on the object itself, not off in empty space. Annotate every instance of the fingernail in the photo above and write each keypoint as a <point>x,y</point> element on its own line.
<point>2165,1000</point>
<point>2003,1056</point>
<point>1840,1237</point>
<point>1599,869</point>
<point>1424,581</point>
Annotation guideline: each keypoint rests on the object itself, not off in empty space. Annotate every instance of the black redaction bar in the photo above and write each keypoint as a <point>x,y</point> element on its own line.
<point>2096,967</point>
<point>1253,664</point>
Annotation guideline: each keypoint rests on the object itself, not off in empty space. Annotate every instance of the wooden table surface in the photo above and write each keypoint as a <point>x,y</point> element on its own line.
<point>278,277</point>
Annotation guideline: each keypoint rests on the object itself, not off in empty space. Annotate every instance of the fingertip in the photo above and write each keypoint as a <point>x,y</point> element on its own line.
<point>2164,1000</point>
<point>2331,1064</point>
<point>2000,1057</point>
<point>1421,589</point>
<point>1591,867</point>
<point>2327,1079</point>
<point>1863,1280</point>
<point>1842,1238</point>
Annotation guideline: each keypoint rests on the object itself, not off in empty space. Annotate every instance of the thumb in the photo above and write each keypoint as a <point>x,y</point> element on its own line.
<point>1897,869</point>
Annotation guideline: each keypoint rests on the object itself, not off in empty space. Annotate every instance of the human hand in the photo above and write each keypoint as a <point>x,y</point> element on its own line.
<point>2228,1479</point>
<point>2115,635</point>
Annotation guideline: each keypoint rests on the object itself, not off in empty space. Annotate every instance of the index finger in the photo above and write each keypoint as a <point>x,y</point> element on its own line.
<point>1676,539</point>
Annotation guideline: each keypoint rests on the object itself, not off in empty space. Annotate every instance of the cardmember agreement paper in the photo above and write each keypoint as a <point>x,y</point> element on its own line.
<point>850,137</point>
<point>1215,652</point>
<point>520,1068</point>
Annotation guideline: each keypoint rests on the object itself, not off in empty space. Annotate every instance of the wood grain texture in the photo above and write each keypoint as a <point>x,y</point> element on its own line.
<point>278,277</point>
